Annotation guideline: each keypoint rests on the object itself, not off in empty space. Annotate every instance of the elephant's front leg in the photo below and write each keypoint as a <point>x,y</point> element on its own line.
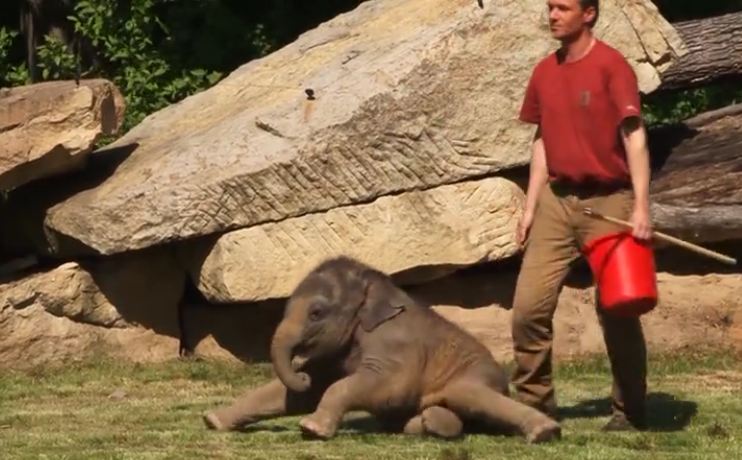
<point>270,400</point>
<point>353,392</point>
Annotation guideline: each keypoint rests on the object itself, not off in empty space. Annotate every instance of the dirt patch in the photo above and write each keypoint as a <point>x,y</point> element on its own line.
<point>703,310</point>
<point>719,381</point>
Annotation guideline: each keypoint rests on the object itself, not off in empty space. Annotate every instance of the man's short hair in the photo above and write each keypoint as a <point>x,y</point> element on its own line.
<point>595,4</point>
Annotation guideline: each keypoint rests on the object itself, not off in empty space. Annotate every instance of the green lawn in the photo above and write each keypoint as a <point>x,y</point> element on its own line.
<point>105,410</point>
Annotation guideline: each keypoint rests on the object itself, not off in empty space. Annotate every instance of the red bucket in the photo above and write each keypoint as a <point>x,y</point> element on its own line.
<point>624,272</point>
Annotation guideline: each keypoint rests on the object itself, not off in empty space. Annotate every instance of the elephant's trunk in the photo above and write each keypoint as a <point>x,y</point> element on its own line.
<point>286,338</point>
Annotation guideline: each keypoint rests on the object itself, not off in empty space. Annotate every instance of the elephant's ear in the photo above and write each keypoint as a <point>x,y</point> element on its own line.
<point>382,303</point>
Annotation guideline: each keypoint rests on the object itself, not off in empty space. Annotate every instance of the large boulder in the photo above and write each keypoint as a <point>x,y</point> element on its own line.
<point>49,128</point>
<point>123,306</point>
<point>449,227</point>
<point>390,97</point>
<point>32,337</point>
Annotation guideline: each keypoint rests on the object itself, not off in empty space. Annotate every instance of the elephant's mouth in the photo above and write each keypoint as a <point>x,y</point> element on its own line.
<point>308,348</point>
<point>301,351</point>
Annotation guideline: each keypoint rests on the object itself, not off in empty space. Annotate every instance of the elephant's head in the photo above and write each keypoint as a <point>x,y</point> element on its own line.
<point>325,310</point>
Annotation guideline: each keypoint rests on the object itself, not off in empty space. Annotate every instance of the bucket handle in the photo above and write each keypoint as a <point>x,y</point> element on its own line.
<point>668,238</point>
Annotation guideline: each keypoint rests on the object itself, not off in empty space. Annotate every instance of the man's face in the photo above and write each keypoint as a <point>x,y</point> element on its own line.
<point>567,18</point>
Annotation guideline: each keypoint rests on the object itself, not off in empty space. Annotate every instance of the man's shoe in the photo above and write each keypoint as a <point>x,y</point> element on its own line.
<point>619,422</point>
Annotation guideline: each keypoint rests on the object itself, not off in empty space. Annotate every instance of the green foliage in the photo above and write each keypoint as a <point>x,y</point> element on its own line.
<point>674,107</point>
<point>55,60</point>
<point>128,56</point>
<point>10,74</point>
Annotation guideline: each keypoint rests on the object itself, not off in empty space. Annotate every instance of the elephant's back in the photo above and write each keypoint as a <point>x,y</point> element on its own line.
<point>440,327</point>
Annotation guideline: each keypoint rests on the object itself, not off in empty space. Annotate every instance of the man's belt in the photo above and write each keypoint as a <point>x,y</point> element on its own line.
<point>588,188</point>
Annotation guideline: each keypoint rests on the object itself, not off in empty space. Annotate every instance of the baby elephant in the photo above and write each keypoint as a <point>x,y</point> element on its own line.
<point>352,340</point>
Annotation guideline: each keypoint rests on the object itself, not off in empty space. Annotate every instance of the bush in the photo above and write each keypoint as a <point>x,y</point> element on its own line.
<point>128,56</point>
<point>10,74</point>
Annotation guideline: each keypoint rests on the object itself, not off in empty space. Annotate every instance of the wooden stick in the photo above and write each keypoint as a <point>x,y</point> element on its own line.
<point>668,238</point>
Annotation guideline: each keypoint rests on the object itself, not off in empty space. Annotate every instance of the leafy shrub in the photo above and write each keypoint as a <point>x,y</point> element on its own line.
<point>10,74</point>
<point>128,56</point>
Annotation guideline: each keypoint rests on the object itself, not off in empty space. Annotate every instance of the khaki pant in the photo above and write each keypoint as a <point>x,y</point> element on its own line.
<point>558,232</point>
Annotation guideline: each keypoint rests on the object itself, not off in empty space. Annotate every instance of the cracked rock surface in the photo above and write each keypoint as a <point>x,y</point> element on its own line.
<point>406,95</point>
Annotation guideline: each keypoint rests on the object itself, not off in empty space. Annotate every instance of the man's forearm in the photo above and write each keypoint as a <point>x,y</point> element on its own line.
<point>538,174</point>
<point>637,154</point>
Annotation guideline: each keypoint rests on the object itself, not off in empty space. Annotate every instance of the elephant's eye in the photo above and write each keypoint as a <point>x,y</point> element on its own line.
<point>315,313</point>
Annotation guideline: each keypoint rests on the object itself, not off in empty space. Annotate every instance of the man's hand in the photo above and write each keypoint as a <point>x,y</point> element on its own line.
<point>524,225</point>
<point>642,222</point>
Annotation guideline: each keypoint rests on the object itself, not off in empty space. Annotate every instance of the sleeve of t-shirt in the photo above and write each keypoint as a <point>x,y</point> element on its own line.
<point>530,111</point>
<point>624,89</point>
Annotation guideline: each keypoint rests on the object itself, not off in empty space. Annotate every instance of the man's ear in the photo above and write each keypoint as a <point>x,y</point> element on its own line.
<point>382,303</point>
<point>590,15</point>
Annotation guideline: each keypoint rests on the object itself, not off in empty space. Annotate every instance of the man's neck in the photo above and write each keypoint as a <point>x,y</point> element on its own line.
<point>575,48</point>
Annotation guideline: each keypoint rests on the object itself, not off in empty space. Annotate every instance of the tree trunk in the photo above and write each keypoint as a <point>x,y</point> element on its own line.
<point>714,52</point>
<point>696,190</point>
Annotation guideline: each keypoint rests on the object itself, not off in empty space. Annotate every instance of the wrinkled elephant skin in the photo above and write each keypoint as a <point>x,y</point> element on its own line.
<point>368,346</point>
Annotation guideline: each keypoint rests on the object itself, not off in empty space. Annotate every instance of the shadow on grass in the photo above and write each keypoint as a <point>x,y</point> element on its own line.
<point>665,412</point>
<point>368,424</point>
<point>264,427</point>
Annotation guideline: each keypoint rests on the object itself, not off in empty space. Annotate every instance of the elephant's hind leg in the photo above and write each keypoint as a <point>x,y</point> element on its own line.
<point>269,400</point>
<point>474,399</point>
<point>435,420</point>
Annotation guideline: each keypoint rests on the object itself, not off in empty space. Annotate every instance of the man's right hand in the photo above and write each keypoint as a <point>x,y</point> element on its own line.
<point>524,226</point>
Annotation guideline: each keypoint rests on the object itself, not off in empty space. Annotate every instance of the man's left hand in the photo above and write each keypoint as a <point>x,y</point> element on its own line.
<point>642,223</point>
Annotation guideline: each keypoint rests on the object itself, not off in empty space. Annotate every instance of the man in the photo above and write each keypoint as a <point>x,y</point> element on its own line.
<point>589,151</point>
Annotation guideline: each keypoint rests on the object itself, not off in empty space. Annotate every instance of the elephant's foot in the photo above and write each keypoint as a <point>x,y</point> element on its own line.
<point>442,422</point>
<point>543,432</point>
<point>318,426</point>
<point>414,426</point>
<point>213,423</point>
<point>435,420</point>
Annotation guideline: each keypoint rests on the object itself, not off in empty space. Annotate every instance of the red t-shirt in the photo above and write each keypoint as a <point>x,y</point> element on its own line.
<point>579,106</point>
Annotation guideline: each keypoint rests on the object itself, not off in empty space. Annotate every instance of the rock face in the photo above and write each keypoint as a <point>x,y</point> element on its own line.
<point>404,95</point>
<point>125,306</point>
<point>34,337</point>
<point>49,128</point>
<point>451,226</point>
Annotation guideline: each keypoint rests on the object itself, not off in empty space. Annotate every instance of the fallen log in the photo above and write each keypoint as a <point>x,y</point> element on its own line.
<point>696,190</point>
<point>714,52</point>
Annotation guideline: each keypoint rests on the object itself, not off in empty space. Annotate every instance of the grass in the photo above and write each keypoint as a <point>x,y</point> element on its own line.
<point>109,410</point>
